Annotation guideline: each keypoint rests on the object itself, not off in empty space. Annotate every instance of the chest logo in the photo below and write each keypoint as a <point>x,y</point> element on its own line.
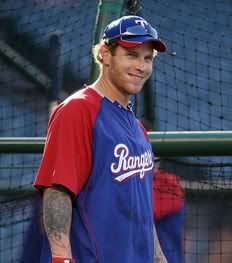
<point>128,165</point>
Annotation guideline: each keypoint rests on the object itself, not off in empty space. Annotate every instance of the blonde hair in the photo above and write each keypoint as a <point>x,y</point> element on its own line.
<point>97,54</point>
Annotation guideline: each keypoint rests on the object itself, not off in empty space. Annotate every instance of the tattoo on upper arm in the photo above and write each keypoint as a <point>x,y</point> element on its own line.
<point>57,209</point>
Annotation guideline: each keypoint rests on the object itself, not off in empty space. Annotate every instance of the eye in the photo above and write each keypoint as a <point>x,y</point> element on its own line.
<point>149,58</point>
<point>132,54</point>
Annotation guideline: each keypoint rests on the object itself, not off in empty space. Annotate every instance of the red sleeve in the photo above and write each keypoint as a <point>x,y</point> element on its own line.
<point>168,194</point>
<point>67,157</point>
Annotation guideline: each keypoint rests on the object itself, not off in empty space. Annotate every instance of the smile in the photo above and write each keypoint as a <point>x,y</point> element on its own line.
<point>136,76</point>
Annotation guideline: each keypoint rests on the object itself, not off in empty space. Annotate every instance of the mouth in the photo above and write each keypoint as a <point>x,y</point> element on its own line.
<point>138,77</point>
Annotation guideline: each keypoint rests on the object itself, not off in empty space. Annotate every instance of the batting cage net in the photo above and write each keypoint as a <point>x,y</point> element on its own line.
<point>45,55</point>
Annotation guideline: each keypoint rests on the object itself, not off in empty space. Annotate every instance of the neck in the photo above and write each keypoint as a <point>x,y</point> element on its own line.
<point>106,88</point>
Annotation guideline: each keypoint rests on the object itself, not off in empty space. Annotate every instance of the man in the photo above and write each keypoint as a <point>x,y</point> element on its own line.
<point>97,168</point>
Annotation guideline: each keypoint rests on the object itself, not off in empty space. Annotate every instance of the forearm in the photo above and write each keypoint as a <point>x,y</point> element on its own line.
<point>158,253</point>
<point>57,212</point>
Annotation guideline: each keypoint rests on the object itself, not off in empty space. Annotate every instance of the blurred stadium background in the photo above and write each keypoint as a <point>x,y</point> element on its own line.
<point>45,55</point>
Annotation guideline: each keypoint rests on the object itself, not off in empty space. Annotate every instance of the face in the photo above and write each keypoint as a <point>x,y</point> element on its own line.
<point>129,68</point>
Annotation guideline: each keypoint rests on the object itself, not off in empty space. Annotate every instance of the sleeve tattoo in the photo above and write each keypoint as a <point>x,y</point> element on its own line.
<point>57,211</point>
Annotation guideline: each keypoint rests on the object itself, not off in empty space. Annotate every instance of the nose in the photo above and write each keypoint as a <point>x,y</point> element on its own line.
<point>141,64</point>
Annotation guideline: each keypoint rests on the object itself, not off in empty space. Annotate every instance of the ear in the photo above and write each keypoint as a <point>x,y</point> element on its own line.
<point>105,54</point>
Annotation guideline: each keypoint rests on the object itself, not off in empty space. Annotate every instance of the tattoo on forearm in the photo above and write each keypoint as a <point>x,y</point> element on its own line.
<point>57,211</point>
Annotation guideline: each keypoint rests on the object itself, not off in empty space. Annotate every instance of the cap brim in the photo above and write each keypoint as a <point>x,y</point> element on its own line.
<point>134,41</point>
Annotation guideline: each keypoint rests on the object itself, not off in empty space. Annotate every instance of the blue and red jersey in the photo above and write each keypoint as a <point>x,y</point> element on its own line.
<point>100,152</point>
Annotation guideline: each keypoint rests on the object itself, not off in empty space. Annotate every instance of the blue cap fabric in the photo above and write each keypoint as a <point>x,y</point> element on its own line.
<point>131,31</point>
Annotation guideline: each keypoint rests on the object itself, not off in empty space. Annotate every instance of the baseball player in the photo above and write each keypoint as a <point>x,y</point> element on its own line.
<point>97,169</point>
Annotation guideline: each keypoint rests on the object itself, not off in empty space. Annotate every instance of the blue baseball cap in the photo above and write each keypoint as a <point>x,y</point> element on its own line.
<point>132,31</point>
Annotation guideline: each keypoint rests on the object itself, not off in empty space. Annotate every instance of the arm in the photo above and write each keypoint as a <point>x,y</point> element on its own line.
<point>57,212</point>
<point>158,253</point>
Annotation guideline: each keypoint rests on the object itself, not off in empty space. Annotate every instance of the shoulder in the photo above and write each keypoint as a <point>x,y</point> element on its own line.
<point>143,129</point>
<point>83,102</point>
<point>84,98</point>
